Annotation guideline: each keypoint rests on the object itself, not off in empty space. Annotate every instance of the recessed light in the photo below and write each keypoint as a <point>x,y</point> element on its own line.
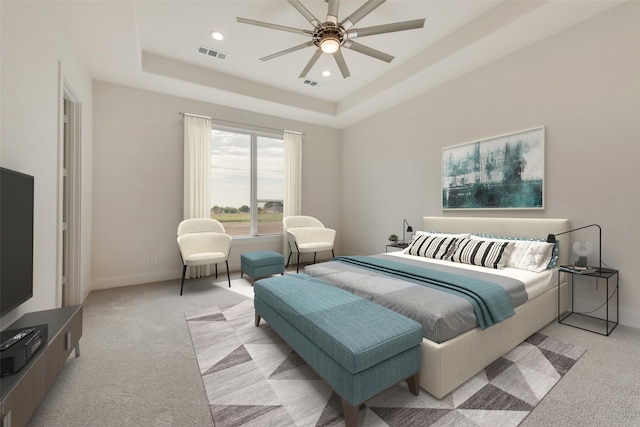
<point>326,73</point>
<point>216,35</point>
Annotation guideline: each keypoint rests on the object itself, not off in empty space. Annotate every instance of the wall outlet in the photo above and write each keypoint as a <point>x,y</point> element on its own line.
<point>592,283</point>
<point>153,260</point>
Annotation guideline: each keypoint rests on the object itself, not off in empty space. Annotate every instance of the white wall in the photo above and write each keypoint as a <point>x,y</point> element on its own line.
<point>35,59</point>
<point>138,181</point>
<point>582,84</point>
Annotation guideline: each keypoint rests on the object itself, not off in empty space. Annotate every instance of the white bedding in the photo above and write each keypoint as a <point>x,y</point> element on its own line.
<point>535,284</point>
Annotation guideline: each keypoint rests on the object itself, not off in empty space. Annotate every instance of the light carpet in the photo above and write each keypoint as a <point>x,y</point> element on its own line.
<point>239,286</point>
<point>253,378</point>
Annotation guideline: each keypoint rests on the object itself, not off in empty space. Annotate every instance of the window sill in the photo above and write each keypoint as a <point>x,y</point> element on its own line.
<point>247,240</point>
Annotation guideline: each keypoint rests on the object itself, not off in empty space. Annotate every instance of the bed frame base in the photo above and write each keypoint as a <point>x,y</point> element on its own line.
<point>447,365</point>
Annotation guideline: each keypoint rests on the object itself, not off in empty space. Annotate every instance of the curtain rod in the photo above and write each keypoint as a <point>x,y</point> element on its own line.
<point>240,123</point>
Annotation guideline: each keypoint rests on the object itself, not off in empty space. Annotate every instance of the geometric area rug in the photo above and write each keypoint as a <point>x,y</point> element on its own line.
<point>253,378</point>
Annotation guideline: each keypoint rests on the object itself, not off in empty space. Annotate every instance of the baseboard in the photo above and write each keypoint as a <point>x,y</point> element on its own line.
<point>136,279</point>
<point>630,318</point>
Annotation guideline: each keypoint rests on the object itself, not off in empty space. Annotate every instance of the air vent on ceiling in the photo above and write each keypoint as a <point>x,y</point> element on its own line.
<point>212,53</point>
<point>311,83</point>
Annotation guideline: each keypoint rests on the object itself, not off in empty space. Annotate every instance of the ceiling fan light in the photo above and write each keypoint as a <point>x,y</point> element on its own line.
<point>330,45</point>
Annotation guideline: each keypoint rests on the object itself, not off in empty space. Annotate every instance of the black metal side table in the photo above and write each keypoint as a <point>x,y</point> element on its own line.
<point>394,246</point>
<point>585,320</point>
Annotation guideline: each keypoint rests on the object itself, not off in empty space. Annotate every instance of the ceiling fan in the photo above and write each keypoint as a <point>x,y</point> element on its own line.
<point>331,36</point>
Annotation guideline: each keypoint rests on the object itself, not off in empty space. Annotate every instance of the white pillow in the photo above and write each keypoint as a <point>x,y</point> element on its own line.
<point>537,257</point>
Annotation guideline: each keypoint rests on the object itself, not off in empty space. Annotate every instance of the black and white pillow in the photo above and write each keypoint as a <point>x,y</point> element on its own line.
<point>484,253</point>
<point>432,246</point>
<point>527,253</point>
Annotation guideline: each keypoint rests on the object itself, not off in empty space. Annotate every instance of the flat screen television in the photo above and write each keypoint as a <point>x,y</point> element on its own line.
<point>16,236</point>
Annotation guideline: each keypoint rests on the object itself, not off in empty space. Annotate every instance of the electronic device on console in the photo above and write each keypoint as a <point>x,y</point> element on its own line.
<point>18,346</point>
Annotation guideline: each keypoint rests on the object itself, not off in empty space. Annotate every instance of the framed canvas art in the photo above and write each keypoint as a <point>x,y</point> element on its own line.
<point>501,172</point>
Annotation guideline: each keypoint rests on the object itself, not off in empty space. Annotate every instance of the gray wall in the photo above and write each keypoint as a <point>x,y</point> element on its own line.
<point>583,85</point>
<point>138,181</point>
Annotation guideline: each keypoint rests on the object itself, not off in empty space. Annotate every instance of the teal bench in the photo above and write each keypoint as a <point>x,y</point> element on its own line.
<point>261,264</point>
<point>355,345</point>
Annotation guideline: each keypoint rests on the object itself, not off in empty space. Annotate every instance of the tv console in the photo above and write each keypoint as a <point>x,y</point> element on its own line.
<point>22,392</point>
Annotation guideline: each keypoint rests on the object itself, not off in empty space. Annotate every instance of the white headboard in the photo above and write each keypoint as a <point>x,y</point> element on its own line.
<point>505,227</point>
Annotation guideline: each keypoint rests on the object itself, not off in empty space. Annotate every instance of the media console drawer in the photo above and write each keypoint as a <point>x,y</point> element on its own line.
<point>58,350</point>
<point>23,391</point>
<point>22,401</point>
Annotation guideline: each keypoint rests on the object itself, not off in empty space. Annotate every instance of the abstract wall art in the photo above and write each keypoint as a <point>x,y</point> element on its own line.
<point>501,172</point>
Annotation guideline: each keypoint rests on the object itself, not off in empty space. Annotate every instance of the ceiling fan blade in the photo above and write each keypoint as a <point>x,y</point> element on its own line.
<point>363,11</point>
<point>311,63</point>
<point>342,65</point>
<point>332,11</point>
<point>273,26</point>
<point>284,52</point>
<point>304,12</point>
<point>386,28</point>
<point>369,51</point>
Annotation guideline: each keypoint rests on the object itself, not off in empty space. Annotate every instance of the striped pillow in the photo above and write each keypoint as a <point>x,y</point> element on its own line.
<point>431,246</point>
<point>484,253</point>
<point>521,250</point>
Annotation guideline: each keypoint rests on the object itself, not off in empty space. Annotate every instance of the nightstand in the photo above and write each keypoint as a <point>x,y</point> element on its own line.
<point>396,247</point>
<point>584,319</point>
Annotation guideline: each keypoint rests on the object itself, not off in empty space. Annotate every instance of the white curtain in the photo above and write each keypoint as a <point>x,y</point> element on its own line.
<point>292,178</point>
<point>197,175</point>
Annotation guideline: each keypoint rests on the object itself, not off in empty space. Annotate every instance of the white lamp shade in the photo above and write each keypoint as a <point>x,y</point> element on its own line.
<point>329,45</point>
<point>582,248</point>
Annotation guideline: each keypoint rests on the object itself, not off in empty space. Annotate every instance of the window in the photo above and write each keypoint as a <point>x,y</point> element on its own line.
<point>247,181</point>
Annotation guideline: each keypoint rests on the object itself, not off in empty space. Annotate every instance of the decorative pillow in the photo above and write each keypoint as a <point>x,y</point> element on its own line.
<point>431,246</point>
<point>484,253</point>
<point>554,256</point>
<point>520,250</point>
<point>537,257</point>
<point>437,233</point>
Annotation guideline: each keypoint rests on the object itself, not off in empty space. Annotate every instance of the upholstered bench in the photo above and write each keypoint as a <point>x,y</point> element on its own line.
<point>355,345</point>
<point>261,264</point>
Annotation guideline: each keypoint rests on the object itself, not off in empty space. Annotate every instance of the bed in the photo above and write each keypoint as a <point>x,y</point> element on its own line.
<point>452,357</point>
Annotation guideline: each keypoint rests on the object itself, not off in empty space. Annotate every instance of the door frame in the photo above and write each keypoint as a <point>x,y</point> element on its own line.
<point>71,134</point>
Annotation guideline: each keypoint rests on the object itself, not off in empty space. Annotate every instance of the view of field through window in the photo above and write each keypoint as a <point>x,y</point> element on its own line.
<point>231,177</point>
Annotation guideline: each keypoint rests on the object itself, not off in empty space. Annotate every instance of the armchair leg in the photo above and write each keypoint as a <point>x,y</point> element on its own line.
<point>216,266</point>
<point>184,271</point>
<point>332,254</point>
<point>228,278</point>
<point>298,265</point>
<point>290,253</point>
<point>314,257</point>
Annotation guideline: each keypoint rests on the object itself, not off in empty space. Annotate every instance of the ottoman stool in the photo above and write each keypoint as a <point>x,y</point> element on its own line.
<point>261,264</point>
<point>360,348</point>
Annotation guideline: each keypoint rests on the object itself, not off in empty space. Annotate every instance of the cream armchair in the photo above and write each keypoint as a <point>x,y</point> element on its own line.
<point>306,234</point>
<point>203,241</point>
